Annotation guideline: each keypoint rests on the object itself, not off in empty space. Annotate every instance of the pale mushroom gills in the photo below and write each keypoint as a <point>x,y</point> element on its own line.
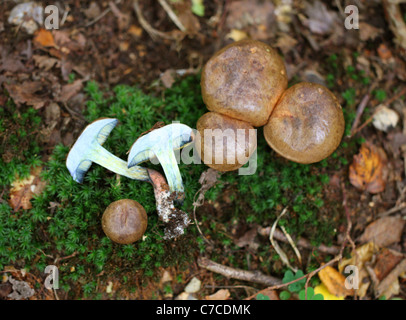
<point>306,125</point>
<point>124,221</point>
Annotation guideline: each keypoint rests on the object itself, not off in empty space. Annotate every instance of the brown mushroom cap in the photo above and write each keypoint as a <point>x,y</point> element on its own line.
<point>229,135</point>
<point>244,80</point>
<point>124,221</point>
<point>307,123</point>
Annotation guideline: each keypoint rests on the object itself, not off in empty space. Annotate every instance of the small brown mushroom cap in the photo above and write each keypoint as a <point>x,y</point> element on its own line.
<point>307,123</point>
<point>244,80</point>
<point>232,141</point>
<point>124,221</point>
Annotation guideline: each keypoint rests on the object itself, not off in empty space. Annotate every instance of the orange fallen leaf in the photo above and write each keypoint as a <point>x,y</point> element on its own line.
<point>222,294</point>
<point>44,38</point>
<point>23,190</point>
<point>384,52</point>
<point>368,170</point>
<point>334,282</point>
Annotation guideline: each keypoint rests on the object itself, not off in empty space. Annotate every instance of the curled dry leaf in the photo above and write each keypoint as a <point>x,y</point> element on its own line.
<point>334,281</point>
<point>29,92</point>
<point>368,170</point>
<point>384,231</point>
<point>23,190</point>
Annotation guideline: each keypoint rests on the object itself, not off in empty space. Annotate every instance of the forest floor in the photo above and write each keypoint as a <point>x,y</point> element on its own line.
<point>47,75</point>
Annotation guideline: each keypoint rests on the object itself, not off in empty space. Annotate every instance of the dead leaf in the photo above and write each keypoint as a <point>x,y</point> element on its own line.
<point>384,231</point>
<point>386,260</point>
<point>368,170</point>
<point>271,294</point>
<point>390,285</point>
<point>23,190</point>
<point>248,239</point>
<point>45,62</point>
<point>135,31</point>
<point>70,90</point>
<point>334,282</point>
<point>44,38</point>
<point>236,35</point>
<point>320,19</point>
<point>384,52</point>
<point>285,42</point>
<point>168,78</point>
<point>368,32</point>
<point>93,11</point>
<point>27,93</point>
<point>222,294</point>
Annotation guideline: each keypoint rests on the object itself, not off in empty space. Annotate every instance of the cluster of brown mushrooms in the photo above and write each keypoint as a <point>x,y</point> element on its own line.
<point>244,85</point>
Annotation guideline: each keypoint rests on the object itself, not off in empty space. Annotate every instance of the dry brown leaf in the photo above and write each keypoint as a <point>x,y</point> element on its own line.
<point>23,190</point>
<point>334,282</point>
<point>70,90</point>
<point>44,38</point>
<point>358,258</point>
<point>168,78</point>
<point>27,93</point>
<point>222,294</point>
<point>368,170</point>
<point>384,231</point>
<point>45,62</point>
<point>390,285</point>
<point>386,260</point>
<point>367,31</point>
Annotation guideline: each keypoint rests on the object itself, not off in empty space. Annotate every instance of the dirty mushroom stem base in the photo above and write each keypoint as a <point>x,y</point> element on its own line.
<point>176,220</point>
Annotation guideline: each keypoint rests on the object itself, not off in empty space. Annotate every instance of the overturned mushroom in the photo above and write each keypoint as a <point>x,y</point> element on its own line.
<point>161,143</point>
<point>307,123</point>
<point>124,221</point>
<point>88,149</point>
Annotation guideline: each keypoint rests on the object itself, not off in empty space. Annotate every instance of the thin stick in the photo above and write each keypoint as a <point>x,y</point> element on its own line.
<point>276,246</point>
<point>360,111</point>
<point>172,15</point>
<point>154,34</point>
<point>239,274</point>
<point>302,242</point>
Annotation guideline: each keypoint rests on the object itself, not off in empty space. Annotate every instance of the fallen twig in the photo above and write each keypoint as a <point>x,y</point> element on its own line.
<point>239,274</point>
<point>172,15</point>
<point>302,242</point>
<point>154,33</point>
<point>276,246</point>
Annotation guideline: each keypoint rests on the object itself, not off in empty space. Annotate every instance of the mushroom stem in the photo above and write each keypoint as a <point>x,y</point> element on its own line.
<point>169,164</point>
<point>106,159</point>
<point>176,219</point>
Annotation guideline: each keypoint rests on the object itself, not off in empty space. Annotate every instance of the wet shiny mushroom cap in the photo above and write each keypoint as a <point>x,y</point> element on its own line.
<point>124,221</point>
<point>224,143</point>
<point>244,80</point>
<point>307,123</point>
